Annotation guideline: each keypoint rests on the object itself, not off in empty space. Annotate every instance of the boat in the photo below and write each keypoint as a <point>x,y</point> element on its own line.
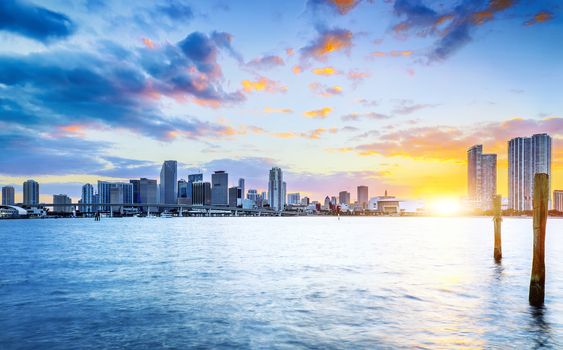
<point>166,214</point>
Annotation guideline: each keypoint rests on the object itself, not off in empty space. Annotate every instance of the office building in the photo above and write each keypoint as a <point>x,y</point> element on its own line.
<point>284,193</point>
<point>191,179</point>
<point>148,193</point>
<point>30,193</point>
<point>294,198</point>
<point>527,156</point>
<point>363,196</point>
<point>252,195</point>
<point>275,189</point>
<point>184,194</point>
<point>305,201</point>
<point>344,197</point>
<point>136,190</point>
<point>62,203</point>
<point>558,200</point>
<point>481,178</point>
<point>168,182</point>
<point>114,193</point>
<point>235,196</point>
<point>87,197</point>
<point>201,193</point>
<point>8,195</point>
<point>241,186</point>
<point>220,188</point>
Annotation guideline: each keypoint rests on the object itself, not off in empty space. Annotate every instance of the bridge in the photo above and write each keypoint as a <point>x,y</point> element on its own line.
<point>189,209</point>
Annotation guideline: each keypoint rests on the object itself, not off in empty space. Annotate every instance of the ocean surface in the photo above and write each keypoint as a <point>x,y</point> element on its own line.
<point>275,283</point>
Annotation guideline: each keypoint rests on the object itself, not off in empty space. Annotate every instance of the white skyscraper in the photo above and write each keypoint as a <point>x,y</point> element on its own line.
<point>527,156</point>
<point>481,177</point>
<point>275,189</point>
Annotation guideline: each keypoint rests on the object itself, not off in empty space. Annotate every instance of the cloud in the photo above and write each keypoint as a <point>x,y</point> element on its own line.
<point>393,53</point>
<point>540,17</point>
<point>34,22</point>
<point>62,86</point>
<point>340,6</point>
<point>262,84</point>
<point>296,69</point>
<point>318,113</point>
<point>357,76</point>
<point>176,11</point>
<point>327,42</point>
<point>325,91</point>
<point>266,62</point>
<point>360,116</point>
<point>325,71</point>
<point>277,110</point>
<point>148,43</point>
<point>404,107</point>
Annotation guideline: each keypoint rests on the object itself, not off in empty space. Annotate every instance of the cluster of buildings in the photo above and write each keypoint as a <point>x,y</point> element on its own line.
<point>527,156</point>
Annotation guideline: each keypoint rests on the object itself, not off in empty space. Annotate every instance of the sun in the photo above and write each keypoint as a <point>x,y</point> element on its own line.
<point>445,206</point>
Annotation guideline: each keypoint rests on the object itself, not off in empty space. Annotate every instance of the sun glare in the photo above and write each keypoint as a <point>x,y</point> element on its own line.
<point>445,206</point>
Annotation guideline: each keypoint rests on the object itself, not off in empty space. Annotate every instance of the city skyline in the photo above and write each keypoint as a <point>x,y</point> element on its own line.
<point>354,92</point>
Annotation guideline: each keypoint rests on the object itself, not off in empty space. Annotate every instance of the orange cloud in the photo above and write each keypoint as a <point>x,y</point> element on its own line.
<point>262,84</point>
<point>394,53</point>
<point>324,90</point>
<point>284,135</point>
<point>289,51</point>
<point>318,113</point>
<point>326,71</point>
<point>540,17</point>
<point>277,110</point>
<point>148,43</point>
<point>296,70</point>
<point>328,42</point>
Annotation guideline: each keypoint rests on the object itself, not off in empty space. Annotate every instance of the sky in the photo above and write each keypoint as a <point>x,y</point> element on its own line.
<point>338,93</point>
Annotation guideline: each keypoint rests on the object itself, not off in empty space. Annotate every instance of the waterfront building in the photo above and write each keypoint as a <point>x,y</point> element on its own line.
<point>363,196</point>
<point>275,189</point>
<point>148,193</point>
<point>201,193</point>
<point>558,200</point>
<point>481,178</point>
<point>114,192</point>
<point>168,182</point>
<point>527,156</point>
<point>235,198</point>
<point>333,201</point>
<point>184,195</point>
<point>136,190</point>
<point>344,197</point>
<point>30,193</point>
<point>252,195</point>
<point>305,201</point>
<point>241,186</point>
<point>220,188</point>
<point>191,179</point>
<point>294,198</point>
<point>87,197</point>
<point>284,193</point>
<point>62,203</point>
<point>326,205</point>
<point>8,195</point>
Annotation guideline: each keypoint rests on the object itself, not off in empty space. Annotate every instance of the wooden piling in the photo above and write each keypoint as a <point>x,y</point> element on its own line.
<point>537,278</point>
<point>497,205</point>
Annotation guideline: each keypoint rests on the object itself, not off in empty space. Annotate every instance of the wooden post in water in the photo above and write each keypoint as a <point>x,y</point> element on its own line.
<point>497,205</point>
<point>537,279</point>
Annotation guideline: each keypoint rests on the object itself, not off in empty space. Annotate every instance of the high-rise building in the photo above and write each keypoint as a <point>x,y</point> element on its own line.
<point>305,201</point>
<point>284,193</point>
<point>30,192</point>
<point>184,192</point>
<point>87,198</point>
<point>8,195</point>
<point>294,198</point>
<point>363,196</point>
<point>136,190</point>
<point>344,197</point>
<point>558,200</point>
<point>62,203</point>
<point>481,177</point>
<point>527,156</point>
<point>201,193</point>
<point>235,198</point>
<point>220,188</point>
<point>241,186</point>
<point>191,179</point>
<point>327,203</point>
<point>168,182</point>
<point>275,189</point>
<point>148,193</point>
<point>114,193</point>
<point>252,195</point>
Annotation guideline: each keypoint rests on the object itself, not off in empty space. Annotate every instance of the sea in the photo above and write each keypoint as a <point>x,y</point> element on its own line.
<point>275,283</point>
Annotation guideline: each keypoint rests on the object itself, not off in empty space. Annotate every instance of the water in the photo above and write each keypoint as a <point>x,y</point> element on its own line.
<point>274,283</point>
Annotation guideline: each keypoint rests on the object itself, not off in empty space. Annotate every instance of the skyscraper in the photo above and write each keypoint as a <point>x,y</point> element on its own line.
<point>184,195</point>
<point>294,198</point>
<point>114,193</point>
<point>87,198</point>
<point>234,193</point>
<point>275,189</point>
<point>60,200</point>
<point>481,177</point>
<point>220,189</point>
<point>168,182</point>
<point>241,186</point>
<point>201,193</point>
<point>148,193</point>
<point>344,197</point>
<point>191,179</point>
<point>527,156</point>
<point>136,190</point>
<point>363,196</point>
<point>8,195</point>
<point>30,192</point>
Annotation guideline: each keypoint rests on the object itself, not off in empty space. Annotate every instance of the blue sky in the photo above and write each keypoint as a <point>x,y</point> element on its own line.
<point>338,93</point>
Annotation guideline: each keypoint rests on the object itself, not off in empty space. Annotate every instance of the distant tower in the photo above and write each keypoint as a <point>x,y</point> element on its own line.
<point>275,189</point>
<point>481,177</point>
<point>363,196</point>
<point>87,198</point>
<point>30,192</point>
<point>220,188</point>
<point>168,182</point>
<point>241,187</point>
<point>8,195</point>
